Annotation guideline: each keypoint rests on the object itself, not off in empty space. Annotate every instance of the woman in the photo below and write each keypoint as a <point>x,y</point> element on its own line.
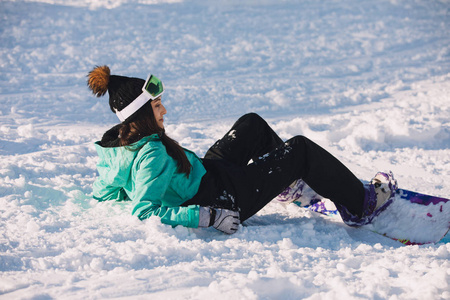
<point>139,162</point>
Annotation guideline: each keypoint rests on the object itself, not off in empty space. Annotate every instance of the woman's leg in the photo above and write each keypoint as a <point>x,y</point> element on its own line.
<point>298,158</point>
<point>276,165</point>
<point>249,138</point>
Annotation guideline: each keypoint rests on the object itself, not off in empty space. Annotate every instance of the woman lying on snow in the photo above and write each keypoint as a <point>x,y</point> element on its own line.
<point>139,162</point>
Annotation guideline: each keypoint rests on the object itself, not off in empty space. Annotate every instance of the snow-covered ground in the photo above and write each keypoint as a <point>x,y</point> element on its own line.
<point>368,80</point>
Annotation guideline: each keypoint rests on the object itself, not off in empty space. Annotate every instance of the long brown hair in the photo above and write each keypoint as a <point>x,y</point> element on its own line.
<point>143,123</point>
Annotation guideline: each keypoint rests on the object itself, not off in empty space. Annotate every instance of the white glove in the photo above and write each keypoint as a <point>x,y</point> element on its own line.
<point>225,220</point>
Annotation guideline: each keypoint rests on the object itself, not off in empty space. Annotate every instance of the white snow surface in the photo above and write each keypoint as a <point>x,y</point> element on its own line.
<point>368,80</point>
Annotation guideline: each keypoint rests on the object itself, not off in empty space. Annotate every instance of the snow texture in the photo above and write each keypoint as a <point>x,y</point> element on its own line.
<point>368,80</point>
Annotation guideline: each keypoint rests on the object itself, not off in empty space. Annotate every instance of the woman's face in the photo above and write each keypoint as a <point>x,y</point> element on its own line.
<point>158,111</point>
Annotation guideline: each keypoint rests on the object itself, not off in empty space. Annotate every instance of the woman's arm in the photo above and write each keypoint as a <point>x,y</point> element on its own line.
<point>154,173</point>
<point>186,216</point>
<point>105,192</point>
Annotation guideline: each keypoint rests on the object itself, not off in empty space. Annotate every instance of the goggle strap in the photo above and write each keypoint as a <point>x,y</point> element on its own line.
<point>133,106</point>
<point>140,101</point>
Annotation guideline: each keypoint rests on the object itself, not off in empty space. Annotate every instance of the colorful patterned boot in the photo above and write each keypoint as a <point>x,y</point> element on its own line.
<point>300,193</point>
<point>292,192</point>
<point>379,194</point>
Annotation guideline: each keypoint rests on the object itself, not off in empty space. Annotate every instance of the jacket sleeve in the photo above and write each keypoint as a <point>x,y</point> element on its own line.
<point>105,192</point>
<point>153,175</point>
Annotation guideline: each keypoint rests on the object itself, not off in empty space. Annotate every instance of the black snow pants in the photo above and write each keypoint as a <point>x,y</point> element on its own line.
<point>234,183</point>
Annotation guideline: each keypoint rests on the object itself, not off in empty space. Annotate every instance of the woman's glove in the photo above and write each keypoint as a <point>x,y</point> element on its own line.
<point>221,219</point>
<point>225,220</point>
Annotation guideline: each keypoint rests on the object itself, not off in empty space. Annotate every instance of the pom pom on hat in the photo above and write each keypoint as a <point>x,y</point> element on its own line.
<point>98,80</point>
<point>122,90</point>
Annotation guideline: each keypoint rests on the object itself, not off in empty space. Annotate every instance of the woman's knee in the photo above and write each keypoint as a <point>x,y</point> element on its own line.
<point>251,123</point>
<point>298,139</point>
<point>251,118</point>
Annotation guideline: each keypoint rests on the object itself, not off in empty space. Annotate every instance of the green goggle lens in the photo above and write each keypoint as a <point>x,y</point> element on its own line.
<point>154,86</point>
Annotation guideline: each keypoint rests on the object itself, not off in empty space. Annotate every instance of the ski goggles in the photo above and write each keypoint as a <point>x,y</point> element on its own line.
<point>152,89</point>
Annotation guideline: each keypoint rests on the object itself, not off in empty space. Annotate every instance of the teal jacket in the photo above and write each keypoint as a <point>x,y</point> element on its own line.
<point>148,177</point>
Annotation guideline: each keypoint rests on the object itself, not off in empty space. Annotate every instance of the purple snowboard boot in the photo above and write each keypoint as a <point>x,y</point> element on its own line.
<point>292,192</point>
<point>379,194</point>
<point>300,193</point>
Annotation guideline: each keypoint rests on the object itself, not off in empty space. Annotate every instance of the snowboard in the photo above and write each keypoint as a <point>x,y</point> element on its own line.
<point>413,218</point>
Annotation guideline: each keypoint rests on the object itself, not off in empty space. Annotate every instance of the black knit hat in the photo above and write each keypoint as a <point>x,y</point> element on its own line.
<point>122,90</point>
